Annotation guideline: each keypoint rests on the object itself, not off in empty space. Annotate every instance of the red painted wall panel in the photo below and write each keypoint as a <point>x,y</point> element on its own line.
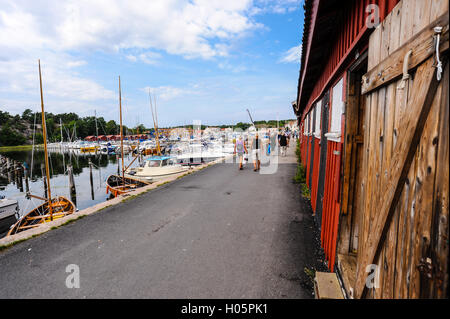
<point>308,160</point>
<point>331,204</point>
<point>315,176</point>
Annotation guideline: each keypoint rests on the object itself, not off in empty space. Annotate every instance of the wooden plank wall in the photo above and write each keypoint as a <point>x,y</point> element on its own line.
<point>420,219</point>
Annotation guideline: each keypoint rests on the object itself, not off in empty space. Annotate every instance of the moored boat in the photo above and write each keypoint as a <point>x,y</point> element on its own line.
<point>156,168</point>
<point>117,185</point>
<point>9,210</point>
<point>60,207</point>
<point>52,208</point>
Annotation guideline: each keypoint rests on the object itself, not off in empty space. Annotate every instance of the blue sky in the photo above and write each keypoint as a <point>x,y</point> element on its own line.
<point>204,60</point>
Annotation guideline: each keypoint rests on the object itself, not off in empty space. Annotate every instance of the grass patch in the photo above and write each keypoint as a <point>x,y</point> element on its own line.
<point>300,175</point>
<point>311,274</point>
<point>305,191</point>
<point>70,221</point>
<point>129,197</point>
<point>4,247</point>
<point>17,148</point>
<point>103,208</point>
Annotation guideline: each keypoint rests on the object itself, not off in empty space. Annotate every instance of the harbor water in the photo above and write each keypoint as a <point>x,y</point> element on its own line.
<point>86,194</point>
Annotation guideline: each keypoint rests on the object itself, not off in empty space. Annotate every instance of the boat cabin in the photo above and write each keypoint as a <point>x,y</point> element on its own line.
<point>159,161</point>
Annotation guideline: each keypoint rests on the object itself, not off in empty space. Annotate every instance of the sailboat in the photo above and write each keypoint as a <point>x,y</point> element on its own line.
<point>52,208</point>
<point>115,184</point>
<point>156,167</point>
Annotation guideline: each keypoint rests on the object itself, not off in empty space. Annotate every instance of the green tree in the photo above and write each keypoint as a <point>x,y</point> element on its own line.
<point>28,116</point>
<point>111,128</point>
<point>9,137</point>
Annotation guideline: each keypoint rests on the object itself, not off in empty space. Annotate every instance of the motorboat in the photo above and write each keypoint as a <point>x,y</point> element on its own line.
<point>9,214</point>
<point>156,168</point>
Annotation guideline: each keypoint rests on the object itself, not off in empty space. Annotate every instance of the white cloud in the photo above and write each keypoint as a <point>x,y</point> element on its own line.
<point>170,92</point>
<point>74,64</point>
<point>187,28</point>
<point>131,58</point>
<point>63,34</point>
<point>276,6</point>
<point>146,57</point>
<point>292,55</point>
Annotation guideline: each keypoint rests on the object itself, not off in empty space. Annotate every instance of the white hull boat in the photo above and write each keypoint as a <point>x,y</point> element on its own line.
<point>156,168</point>
<point>9,214</point>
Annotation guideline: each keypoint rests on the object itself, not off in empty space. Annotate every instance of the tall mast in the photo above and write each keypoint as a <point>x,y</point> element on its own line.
<point>121,132</point>
<point>44,132</point>
<point>96,127</point>
<point>60,126</point>
<point>155,122</point>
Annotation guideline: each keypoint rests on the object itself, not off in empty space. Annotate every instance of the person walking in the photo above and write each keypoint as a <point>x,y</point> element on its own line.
<point>256,150</point>
<point>283,143</point>
<point>240,148</point>
<point>273,143</point>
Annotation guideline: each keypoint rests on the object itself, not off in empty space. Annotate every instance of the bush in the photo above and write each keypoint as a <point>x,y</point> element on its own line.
<point>9,137</point>
<point>300,176</point>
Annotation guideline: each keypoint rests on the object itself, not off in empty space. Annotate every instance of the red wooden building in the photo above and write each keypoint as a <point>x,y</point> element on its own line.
<point>347,154</point>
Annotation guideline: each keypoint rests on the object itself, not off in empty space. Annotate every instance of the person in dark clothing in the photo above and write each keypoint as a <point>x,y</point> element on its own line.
<point>283,143</point>
<point>256,147</point>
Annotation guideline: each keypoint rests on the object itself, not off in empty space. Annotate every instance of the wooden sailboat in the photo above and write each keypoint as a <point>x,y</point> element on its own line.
<point>52,208</point>
<point>115,184</point>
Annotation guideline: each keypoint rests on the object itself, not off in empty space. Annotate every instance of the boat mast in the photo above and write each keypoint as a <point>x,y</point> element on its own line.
<point>60,126</point>
<point>155,122</point>
<point>121,132</point>
<point>96,127</point>
<point>44,132</point>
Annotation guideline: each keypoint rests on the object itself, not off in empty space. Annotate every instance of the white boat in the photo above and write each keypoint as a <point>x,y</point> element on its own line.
<point>156,168</point>
<point>9,214</point>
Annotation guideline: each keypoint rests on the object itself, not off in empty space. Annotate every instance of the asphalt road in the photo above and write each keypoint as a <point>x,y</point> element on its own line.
<point>218,233</point>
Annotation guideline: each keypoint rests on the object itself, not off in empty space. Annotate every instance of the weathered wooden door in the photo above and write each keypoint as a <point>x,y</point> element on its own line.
<point>404,228</point>
<point>331,201</point>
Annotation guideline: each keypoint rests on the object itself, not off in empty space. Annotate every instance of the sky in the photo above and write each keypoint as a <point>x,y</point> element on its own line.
<point>206,60</point>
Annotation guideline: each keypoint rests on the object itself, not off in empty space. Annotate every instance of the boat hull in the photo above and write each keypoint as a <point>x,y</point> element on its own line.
<point>8,215</point>
<point>61,207</point>
<point>116,185</point>
<point>6,223</point>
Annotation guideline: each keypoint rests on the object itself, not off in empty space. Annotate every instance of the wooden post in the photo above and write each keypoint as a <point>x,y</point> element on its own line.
<point>19,177</point>
<point>27,185</point>
<point>118,165</point>
<point>14,170</point>
<point>44,180</point>
<point>72,188</point>
<point>91,179</point>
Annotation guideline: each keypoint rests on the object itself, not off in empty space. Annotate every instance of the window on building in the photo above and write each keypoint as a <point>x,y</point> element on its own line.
<point>305,126</point>
<point>309,123</point>
<point>318,116</point>
<point>337,107</point>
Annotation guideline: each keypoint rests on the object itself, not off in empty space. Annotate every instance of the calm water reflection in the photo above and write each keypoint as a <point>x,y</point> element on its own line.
<point>86,196</point>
